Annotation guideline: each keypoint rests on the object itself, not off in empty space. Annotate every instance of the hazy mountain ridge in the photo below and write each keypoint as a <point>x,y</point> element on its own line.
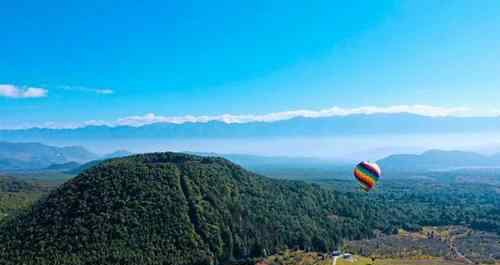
<point>117,154</point>
<point>41,152</point>
<point>28,156</point>
<point>37,156</point>
<point>63,167</point>
<point>329,126</point>
<point>438,160</point>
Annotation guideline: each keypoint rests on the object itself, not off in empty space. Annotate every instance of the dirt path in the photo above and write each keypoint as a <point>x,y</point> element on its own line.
<point>456,253</point>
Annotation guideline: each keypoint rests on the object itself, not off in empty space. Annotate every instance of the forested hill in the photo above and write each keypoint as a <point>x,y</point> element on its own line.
<point>170,208</point>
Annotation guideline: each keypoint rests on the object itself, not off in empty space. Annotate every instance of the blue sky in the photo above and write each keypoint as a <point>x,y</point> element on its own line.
<point>72,61</point>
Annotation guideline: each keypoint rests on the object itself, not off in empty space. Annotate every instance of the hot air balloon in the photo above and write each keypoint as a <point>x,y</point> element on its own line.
<point>367,174</point>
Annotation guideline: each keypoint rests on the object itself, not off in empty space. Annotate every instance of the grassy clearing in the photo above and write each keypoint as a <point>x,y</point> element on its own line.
<point>450,245</point>
<point>422,261</point>
<point>311,258</point>
<point>13,202</point>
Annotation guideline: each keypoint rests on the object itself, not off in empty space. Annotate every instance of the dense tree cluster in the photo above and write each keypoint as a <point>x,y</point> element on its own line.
<point>411,204</point>
<point>169,208</point>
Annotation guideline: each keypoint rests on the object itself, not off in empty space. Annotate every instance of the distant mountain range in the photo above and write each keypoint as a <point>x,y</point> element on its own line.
<point>297,127</point>
<point>37,156</point>
<point>438,160</point>
<point>27,156</point>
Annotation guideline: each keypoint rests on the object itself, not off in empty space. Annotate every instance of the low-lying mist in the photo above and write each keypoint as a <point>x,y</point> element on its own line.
<point>341,148</point>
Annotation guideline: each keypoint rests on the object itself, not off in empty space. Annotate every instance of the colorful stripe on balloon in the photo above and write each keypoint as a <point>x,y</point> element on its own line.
<point>367,174</point>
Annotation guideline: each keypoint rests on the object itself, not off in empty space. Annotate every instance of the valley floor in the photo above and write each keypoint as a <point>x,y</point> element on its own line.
<point>302,258</point>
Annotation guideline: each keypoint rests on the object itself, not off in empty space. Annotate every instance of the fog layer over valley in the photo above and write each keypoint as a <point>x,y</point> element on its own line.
<point>338,148</point>
<point>344,138</point>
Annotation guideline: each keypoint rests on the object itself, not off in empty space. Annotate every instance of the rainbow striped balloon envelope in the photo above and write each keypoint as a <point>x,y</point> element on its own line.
<point>367,174</point>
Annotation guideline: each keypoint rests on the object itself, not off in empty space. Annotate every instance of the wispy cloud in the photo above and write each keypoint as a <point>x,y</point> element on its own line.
<point>150,118</point>
<point>13,91</point>
<point>103,91</point>
<point>278,116</point>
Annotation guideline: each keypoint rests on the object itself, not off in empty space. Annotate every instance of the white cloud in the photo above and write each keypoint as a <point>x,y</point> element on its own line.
<point>12,91</point>
<point>424,110</point>
<point>104,91</point>
<point>150,118</point>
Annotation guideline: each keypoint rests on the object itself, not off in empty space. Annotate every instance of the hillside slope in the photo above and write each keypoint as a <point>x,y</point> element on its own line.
<point>170,208</point>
